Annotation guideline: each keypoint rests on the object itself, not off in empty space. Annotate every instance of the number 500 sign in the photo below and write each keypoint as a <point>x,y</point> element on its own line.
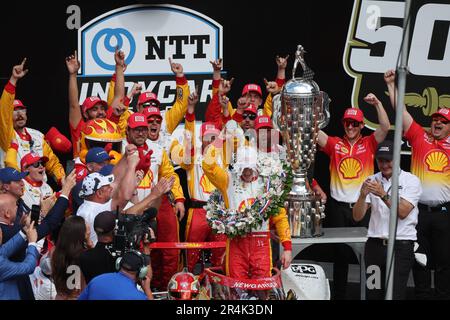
<point>370,30</point>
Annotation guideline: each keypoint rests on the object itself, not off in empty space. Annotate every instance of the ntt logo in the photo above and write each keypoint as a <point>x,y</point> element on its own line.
<point>107,40</point>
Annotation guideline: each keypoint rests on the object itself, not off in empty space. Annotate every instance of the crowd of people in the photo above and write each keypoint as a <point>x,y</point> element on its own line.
<point>124,164</point>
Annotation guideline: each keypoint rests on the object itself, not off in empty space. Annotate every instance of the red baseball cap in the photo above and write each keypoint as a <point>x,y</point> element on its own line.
<point>151,111</point>
<point>209,128</point>
<point>31,158</point>
<point>252,108</point>
<point>353,114</point>
<point>442,112</point>
<point>91,102</point>
<point>147,97</point>
<point>18,104</point>
<point>137,120</point>
<point>263,122</point>
<point>251,87</point>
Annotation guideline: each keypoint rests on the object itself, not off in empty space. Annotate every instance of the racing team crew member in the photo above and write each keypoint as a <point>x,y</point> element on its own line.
<point>189,157</point>
<point>92,107</point>
<point>13,120</point>
<point>247,257</point>
<point>251,93</point>
<point>430,157</point>
<point>351,162</point>
<point>155,163</point>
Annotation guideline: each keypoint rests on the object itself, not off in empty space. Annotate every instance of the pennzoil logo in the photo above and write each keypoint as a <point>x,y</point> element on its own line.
<point>350,168</point>
<point>373,42</point>
<point>436,161</point>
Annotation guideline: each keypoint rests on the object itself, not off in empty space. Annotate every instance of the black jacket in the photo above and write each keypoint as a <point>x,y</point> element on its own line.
<point>96,261</point>
<point>51,222</point>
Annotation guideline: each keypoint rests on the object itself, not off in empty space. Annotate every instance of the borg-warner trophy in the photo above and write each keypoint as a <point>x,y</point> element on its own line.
<point>301,112</point>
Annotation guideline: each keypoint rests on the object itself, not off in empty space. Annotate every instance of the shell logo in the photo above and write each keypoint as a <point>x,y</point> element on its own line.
<point>246,203</point>
<point>206,185</point>
<point>436,161</point>
<point>350,168</point>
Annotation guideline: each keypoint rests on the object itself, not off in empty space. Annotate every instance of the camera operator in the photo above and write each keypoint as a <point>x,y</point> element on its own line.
<point>99,259</point>
<point>133,268</point>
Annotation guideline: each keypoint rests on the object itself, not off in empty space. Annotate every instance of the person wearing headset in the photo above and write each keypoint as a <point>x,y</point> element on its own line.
<point>133,268</point>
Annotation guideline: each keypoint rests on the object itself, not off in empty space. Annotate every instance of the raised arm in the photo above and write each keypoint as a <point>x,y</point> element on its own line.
<point>322,139</point>
<point>163,186</point>
<point>175,115</point>
<point>119,87</point>
<point>383,120</point>
<point>73,65</point>
<point>7,105</point>
<point>215,173</point>
<point>389,78</point>
<point>127,184</point>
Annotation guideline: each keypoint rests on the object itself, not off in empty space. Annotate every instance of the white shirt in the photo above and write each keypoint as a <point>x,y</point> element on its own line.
<point>89,210</point>
<point>32,194</point>
<point>410,190</point>
<point>43,287</point>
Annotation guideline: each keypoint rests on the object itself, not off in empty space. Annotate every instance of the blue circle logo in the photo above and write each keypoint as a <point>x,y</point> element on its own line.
<point>118,34</point>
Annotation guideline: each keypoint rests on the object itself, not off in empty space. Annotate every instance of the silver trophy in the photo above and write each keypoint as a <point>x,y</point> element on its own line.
<point>301,111</point>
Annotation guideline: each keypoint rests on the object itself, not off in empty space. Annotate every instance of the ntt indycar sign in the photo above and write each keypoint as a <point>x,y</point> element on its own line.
<point>149,35</point>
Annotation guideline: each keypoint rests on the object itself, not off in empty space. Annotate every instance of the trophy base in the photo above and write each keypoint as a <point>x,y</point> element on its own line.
<point>306,214</point>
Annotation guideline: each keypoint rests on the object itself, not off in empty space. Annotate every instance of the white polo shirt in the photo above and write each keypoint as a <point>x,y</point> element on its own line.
<point>410,190</point>
<point>89,210</point>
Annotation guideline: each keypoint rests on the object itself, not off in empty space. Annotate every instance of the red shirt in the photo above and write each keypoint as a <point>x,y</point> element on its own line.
<point>430,162</point>
<point>350,165</point>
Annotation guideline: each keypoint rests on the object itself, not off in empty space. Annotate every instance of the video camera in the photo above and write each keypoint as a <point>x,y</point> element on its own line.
<point>131,230</point>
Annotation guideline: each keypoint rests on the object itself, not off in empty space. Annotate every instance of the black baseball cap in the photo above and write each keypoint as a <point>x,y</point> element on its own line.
<point>385,150</point>
<point>131,261</point>
<point>105,222</point>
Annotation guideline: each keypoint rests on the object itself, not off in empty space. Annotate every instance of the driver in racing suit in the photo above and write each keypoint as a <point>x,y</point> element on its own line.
<point>250,256</point>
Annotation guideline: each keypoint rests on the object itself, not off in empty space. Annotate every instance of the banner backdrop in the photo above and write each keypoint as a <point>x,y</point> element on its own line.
<point>349,44</point>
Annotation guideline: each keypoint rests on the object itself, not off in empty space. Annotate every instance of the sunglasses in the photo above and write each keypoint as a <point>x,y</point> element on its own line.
<point>250,116</point>
<point>23,111</point>
<point>36,164</point>
<point>150,104</point>
<point>158,120</point>
<point>210,138</point>
<point>354,123</point>
<point>441,120</point>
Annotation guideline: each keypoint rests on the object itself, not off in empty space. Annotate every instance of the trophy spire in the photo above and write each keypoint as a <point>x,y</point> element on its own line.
<point>308,74</point>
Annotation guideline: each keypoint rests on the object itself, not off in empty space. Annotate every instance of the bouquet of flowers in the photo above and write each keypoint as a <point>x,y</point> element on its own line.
<point>277,178</point>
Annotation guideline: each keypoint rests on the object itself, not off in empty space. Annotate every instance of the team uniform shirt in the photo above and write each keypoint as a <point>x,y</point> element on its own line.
<point>33,191</point>
<point>30,141</point>
<point>89,210</point>
<point>238,195</point>
<point>409,189</point>
<point>199,186</point>
<point>350,165</point>
<point>160,166</point>
<point>430,161</point>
